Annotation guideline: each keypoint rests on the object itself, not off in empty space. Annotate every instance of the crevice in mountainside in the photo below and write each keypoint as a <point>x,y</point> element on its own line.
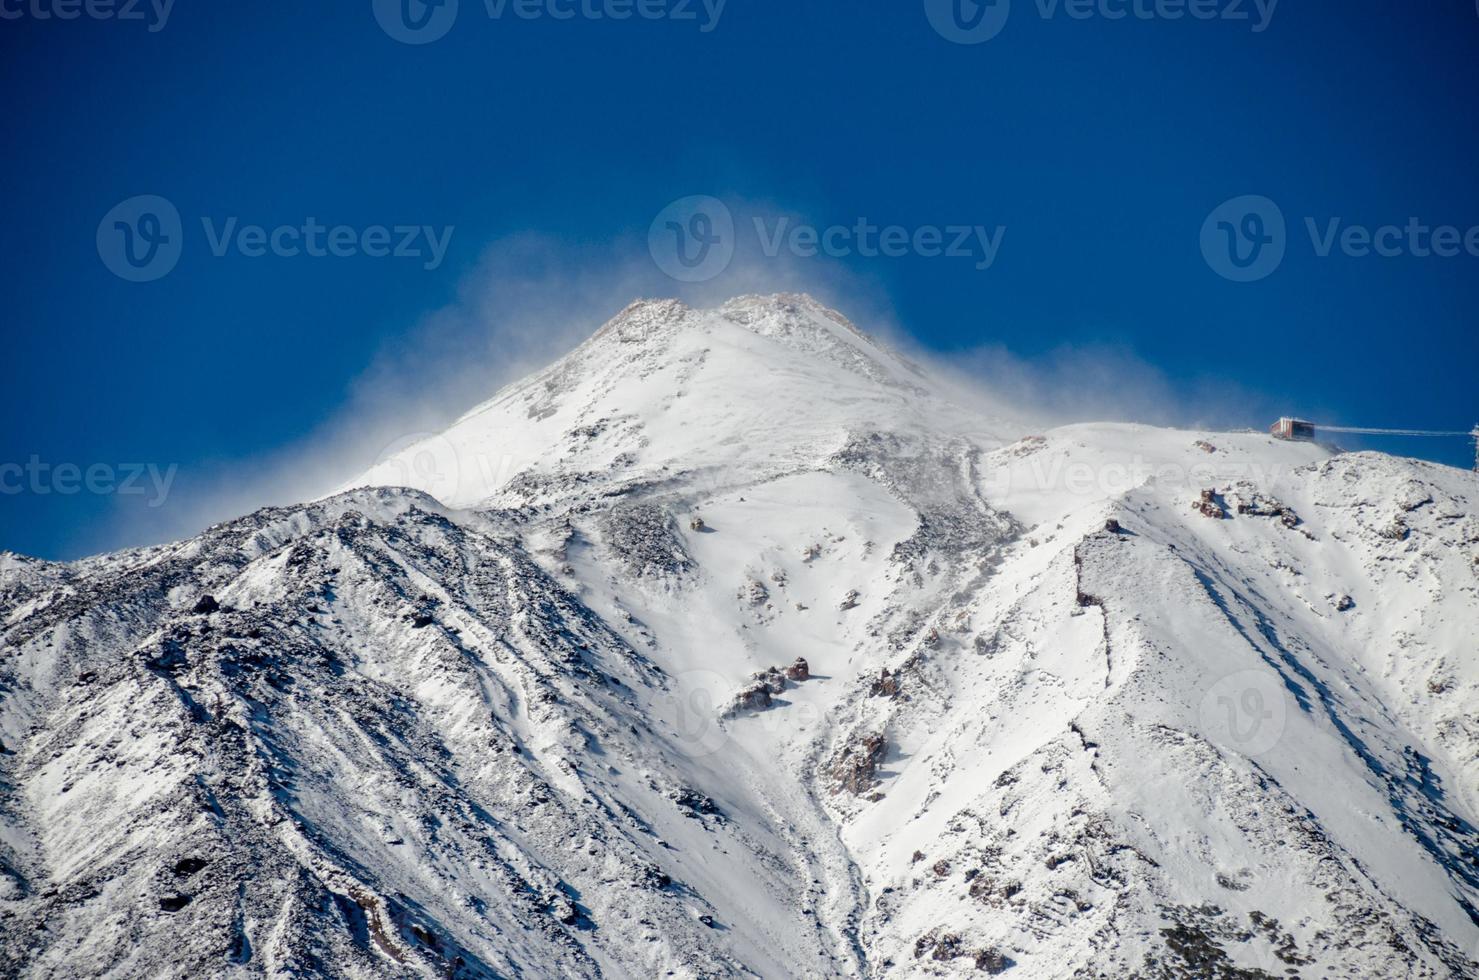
<point>845,908</point>
<point>1085,600</point>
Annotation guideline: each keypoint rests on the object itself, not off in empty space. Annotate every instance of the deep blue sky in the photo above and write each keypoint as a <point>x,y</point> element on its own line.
<point>1100,145</point>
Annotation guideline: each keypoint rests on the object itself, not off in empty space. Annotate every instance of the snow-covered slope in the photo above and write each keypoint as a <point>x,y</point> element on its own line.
<point>731,644</point>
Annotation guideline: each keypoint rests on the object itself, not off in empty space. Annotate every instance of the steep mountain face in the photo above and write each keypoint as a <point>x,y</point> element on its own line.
<point>732,645</point>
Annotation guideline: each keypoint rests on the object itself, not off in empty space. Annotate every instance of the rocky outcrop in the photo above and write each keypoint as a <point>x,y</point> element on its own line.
<point>1248,501</point>
<point>645,540</point>
<point>885,685</point>
<point>1209,504</point>
<point>854,768</point>
<point>764,684</point>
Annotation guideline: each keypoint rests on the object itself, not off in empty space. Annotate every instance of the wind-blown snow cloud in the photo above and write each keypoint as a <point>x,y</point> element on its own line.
<point>531,299</point>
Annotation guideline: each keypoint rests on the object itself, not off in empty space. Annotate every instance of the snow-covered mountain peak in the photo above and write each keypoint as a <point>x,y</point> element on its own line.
<point>771,383</point>
<point>726,646</point>
<point>795,321</point>
<point>644,319</point>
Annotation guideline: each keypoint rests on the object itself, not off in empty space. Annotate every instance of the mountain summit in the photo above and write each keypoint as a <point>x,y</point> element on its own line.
<point>732,645</point>
<point>777,382</point>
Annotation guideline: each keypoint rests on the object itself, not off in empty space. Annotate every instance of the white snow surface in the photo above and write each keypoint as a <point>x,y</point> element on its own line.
<point>1102,701</point>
